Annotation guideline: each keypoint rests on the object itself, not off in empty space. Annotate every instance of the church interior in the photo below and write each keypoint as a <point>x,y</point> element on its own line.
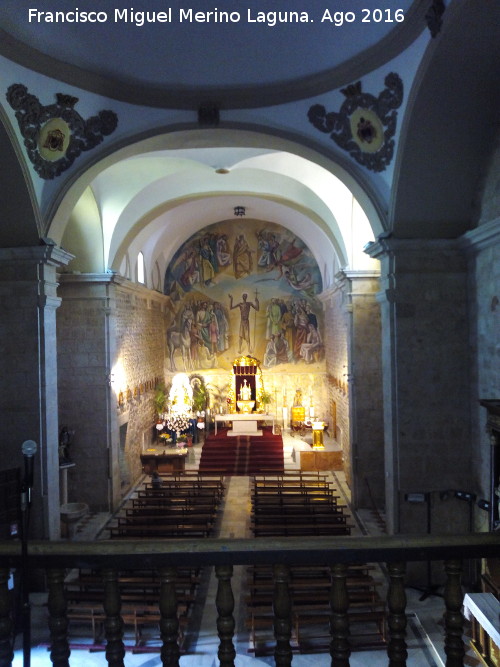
<point>256,243</point>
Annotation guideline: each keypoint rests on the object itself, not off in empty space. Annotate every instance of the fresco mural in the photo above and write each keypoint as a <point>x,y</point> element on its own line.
<point>243,287</point>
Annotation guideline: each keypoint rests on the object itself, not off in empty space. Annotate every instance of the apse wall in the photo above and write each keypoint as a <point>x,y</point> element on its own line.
<point>249,287</point>
<point>245,287</point>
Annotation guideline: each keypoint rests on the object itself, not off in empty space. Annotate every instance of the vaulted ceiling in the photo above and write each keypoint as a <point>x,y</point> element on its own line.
<point>163,173</point>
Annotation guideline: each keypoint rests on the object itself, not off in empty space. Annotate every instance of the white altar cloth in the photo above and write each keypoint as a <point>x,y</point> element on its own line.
<point>485,608</point>
<point>244,423</point>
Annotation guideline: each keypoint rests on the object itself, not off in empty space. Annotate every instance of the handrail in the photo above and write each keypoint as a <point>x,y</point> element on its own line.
<point>217,551</point>
<point>166,556</point>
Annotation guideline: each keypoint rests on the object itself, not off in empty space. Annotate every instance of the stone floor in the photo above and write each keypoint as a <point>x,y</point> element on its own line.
<point>425,625</point>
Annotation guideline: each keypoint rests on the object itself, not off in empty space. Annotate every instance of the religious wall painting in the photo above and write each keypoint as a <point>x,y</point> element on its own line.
<point>244,288</point>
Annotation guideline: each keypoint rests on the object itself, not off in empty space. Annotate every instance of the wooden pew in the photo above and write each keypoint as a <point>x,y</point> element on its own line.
<point>179,530</point>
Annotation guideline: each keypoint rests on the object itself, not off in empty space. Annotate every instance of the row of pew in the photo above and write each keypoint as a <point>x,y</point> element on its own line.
<point>139,593</point>
<point>296,504</point>
<point>305,504</point>
<point>173,506</point>
<point>177,505</point>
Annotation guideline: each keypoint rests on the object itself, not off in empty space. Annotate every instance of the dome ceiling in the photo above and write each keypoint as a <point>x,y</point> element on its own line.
<point>232,61</point>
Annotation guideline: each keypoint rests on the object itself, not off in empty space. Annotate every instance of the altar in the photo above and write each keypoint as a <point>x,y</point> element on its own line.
<point>244,423</point>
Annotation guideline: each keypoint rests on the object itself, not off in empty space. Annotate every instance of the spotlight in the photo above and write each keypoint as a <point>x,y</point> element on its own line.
<point>239,211</point>
<point>484,504</point>
<point>465,495</point>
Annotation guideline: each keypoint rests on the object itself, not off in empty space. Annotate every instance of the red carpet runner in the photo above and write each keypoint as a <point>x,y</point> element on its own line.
<point>243,455</point>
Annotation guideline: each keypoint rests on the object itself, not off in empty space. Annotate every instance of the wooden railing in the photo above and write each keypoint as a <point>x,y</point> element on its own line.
<point>165,556</point>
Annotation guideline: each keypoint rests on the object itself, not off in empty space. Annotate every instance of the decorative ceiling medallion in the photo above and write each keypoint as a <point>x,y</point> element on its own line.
<point>53,140</point>
<point>434,17</point>
<point>55,135</point>
<point>365,125</point>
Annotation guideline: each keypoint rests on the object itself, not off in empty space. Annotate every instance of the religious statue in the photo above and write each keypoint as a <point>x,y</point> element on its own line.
<point>65,439</point>
<point>245,391</point>
<point>245,403</point>
<point>497,494</point>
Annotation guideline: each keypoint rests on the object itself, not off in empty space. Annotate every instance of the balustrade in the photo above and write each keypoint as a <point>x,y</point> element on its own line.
<point>164,556</point>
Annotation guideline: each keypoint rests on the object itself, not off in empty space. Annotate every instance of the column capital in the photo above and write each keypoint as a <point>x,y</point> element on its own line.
<point>482,237</point>
<point>42,254</point>
<point>388,245</point>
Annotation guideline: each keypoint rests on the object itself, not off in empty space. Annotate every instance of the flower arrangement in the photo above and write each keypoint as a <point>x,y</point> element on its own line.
<point>178,422</point>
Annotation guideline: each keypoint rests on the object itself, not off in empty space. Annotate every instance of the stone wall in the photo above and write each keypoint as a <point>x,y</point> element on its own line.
<point>28,391</point>
<point>141,322</point>
<point>426,376</point>
<point>366,390</point>
<point>337,306</point>
<point>353,354</point>
<point>111,351</point>
<point>483,245</point>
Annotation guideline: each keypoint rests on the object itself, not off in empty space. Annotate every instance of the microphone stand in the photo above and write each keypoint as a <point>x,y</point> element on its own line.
<point>25,595</point>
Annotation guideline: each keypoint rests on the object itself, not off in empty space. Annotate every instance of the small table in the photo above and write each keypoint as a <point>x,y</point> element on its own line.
<point>244,423</point>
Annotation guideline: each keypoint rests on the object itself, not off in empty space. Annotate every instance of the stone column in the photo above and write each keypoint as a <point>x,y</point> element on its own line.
<point>354,371</point>
<point>425,355</point>
<point>86,350</point>
<point>365,388</point>
<point>28,393</point>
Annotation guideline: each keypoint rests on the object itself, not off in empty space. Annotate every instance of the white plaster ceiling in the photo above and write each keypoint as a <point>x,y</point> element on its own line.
<point>174,57</point>
<point>152,203</point>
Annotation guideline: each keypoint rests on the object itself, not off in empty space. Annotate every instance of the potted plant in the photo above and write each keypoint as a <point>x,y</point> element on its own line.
<point>265,399</point>
<point>160,400</point>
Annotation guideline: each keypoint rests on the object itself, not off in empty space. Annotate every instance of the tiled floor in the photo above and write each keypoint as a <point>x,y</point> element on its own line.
<point>424,630</point>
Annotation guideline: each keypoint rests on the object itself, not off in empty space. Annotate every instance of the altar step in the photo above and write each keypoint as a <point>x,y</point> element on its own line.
<point>243,455</point>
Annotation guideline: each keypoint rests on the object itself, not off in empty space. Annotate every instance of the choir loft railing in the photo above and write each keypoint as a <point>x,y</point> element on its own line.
<point>164,556</point>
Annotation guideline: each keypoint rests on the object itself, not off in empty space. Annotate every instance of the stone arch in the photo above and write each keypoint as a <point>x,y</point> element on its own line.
<point>173,137</point>
<point>444,148</point>
<point>20,215</point>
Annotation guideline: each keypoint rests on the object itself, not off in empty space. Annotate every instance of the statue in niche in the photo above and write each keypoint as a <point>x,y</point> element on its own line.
<point>65,440</point>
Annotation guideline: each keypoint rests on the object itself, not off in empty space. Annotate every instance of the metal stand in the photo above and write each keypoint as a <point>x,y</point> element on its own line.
<point>430,589</point>
<point>25,592</point>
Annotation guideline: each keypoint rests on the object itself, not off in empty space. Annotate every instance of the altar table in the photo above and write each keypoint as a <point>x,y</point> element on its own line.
<point>244,423</point>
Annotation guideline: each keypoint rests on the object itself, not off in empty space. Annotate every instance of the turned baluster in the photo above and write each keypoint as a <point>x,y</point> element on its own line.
<point>113,622</point>
<point>169,622</point>
<point>453,598</point>
<point>225,620</point>
<point>396,602</point>
<point>6,652</point>
<point>339,621</point>
<point>282,607</point>
<point>58,620</point>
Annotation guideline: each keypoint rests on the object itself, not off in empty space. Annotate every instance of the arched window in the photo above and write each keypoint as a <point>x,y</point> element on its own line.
<point>140,269</point>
